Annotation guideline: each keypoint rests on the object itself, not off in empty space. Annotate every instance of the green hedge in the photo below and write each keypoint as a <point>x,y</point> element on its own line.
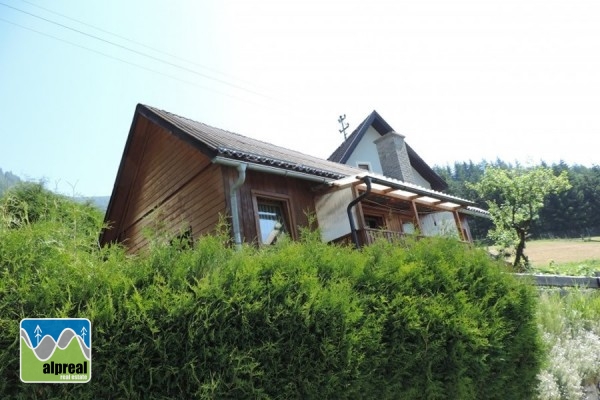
<point>431,319</point>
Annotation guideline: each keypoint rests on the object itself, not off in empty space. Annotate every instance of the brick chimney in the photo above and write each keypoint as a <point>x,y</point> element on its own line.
<point>393,157</point>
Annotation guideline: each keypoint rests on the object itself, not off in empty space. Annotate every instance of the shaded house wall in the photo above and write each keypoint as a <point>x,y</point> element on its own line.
<point>169,183</point>
<point>165,181</point>
<point>366,152</point>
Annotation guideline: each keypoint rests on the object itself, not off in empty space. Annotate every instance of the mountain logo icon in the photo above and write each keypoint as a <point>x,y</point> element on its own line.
<point>56,350</point>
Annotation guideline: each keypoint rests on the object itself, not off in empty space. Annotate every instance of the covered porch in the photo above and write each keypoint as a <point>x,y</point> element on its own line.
<point>365,207</point>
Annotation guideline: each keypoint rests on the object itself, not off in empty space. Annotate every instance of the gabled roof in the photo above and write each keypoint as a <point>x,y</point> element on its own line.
<point>344,151</point>
<point>218,142</point>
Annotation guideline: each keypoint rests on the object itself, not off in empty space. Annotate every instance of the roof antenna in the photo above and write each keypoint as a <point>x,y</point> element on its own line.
<point>344,126</point>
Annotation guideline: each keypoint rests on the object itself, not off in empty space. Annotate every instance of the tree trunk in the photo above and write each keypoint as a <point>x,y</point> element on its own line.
<point>520,253</point>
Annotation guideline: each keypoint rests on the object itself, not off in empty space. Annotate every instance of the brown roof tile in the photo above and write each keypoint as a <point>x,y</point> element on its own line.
<point>232,145</point>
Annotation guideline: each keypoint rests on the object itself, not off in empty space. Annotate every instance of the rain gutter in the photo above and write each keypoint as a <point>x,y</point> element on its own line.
<point>272,170</point>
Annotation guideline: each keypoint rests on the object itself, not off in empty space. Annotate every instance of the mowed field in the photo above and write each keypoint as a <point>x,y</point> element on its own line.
<point>565,256</point>
<point>543,252</point>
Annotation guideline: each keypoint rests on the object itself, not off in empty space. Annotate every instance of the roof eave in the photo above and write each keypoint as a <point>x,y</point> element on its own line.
<point>109,209</point>
<point>476,212</point>
<point>277,164</point>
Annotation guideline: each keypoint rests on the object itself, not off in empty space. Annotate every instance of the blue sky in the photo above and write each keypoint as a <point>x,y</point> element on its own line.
<point>462,80</point>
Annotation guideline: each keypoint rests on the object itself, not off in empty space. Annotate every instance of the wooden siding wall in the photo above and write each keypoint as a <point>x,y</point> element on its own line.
<point>301,198</point>
<point>127,172</point>
<point>176,187</point>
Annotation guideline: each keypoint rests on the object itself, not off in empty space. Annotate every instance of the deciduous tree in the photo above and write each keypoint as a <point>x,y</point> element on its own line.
<point>514,198</point>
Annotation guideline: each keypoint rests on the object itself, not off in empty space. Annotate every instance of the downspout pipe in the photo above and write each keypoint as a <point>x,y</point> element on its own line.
<point>235,216</point>
<point>367,181</point>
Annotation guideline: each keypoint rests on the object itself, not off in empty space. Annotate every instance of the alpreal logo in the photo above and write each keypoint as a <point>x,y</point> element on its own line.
<point>56,350</point>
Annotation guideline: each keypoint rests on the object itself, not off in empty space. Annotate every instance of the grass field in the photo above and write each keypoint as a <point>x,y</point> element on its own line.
<point>565,256</point>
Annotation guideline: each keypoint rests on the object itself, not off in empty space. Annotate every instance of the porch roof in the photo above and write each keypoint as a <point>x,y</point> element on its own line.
<point>397,189</point>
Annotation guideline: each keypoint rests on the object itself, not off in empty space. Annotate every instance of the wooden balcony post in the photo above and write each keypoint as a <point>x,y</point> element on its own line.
<point>461,232</point>
<point>416,212</point>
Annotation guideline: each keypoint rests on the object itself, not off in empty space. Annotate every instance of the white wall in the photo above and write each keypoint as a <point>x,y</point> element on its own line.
<point>439,224</point>
<point>332,215</point>
<point>419,180</point>
<point>366,151</point>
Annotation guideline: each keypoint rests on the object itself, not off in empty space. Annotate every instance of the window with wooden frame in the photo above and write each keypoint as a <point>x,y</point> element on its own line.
<point>273,216</point>
<point>374,221</point>
<point>374,217</point>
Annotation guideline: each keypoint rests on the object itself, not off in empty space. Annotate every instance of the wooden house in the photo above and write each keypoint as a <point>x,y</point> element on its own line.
<point>184,175</point>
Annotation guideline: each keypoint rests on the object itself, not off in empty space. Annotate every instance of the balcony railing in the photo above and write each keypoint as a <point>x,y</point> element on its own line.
<point>370,235</point>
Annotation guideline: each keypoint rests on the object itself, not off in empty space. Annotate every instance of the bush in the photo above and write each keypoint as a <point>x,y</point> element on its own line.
<point>570,323</point>
<point>428,319</point>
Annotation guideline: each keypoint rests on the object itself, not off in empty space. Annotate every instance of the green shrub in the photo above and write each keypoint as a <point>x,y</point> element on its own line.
<point>430,319</point>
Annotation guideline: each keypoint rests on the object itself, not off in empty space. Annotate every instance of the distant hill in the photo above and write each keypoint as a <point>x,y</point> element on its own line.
<point>99,201</point>
<point>7,179</point>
